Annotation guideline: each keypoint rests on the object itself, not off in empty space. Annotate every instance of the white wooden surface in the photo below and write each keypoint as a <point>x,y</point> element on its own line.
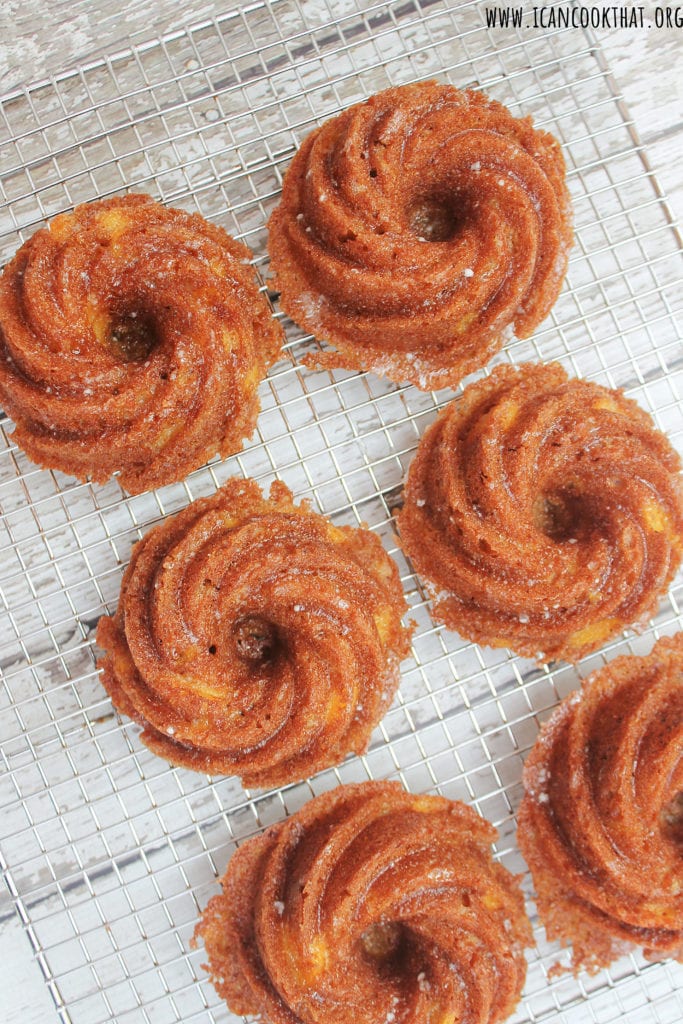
<point>40,38</point>
<point>646,66</point>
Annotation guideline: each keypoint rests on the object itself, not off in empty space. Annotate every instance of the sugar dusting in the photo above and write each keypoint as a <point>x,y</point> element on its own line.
<point>310,306</point>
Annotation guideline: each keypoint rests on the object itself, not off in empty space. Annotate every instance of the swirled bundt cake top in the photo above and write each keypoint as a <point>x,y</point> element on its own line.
<point>255,638</point>
<point>419,230</point>
<point>601,822</point>
<point>369,904</point>
<point>545,513</point>
<point>132,338</point>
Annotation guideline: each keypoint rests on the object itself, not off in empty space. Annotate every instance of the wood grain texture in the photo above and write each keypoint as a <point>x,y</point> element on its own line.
<point>24,997</point>
<point>645,64</point>
<point>41,38</point>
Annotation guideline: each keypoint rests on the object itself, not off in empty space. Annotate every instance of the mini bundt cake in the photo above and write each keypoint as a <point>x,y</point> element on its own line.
<point>544,513</point>
<point>133,338</point>
<point>419,230</point>
<point>601,822</point>
<point>254,638</point>
<point>369,904</point>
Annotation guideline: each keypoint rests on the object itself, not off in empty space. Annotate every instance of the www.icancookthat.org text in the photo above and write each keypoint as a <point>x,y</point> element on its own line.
<point>584,16</point>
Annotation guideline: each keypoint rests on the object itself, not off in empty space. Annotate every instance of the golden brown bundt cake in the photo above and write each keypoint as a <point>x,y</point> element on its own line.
<point>254,638</point>
<point>544,513</point>
<point>419,230</point>
<point>601,822</point>
<point>369,904</point>
<point>133,338</point>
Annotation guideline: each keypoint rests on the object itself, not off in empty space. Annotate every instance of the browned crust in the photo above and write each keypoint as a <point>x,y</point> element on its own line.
<point>601,822</point>
<point>288,937</point>
<point>545,513</point>
<point>353,267</point>
<point>88,405</point>
<point>254,638</point>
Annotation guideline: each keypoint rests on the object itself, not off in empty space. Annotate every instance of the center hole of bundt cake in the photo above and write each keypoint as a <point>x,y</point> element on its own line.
<point>433,219</point>
<point>132,336</point>
<point>559,516</point>
<point>384,942</point>
<point>672,818</point>
<point>256,639</point>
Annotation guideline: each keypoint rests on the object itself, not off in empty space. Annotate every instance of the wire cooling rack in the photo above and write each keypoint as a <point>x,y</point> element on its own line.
<point>108,853</point>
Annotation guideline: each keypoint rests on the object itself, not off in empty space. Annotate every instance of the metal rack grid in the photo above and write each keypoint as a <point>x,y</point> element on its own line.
<point>108,853</point>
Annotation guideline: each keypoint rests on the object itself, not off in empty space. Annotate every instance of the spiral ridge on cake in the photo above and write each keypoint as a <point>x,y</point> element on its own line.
<point>132,338</point>
<point>544,513</point>
<point>254,638</point>
<point>419,230</point>
<point>369,904</point>
<point>601,821</point>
